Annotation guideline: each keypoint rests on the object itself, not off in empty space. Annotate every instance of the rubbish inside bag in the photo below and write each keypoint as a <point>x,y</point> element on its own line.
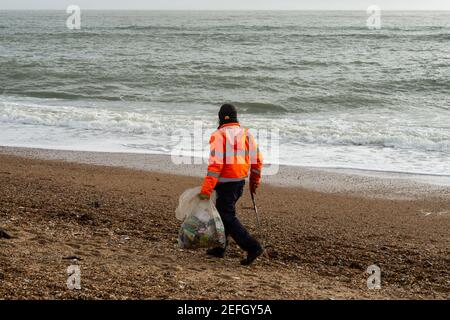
<point>202,226</point>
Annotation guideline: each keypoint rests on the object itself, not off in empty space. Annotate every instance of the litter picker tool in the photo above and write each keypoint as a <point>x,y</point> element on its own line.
<point>258,224</point>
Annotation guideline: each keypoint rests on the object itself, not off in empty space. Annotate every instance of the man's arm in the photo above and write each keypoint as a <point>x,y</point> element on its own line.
<point>215,165</point>
<point>256,164</point>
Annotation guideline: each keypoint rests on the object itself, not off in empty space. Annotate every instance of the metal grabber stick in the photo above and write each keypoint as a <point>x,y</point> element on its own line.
<point>258,224</point>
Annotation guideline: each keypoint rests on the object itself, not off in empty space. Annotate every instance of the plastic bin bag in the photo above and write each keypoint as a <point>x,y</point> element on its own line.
<point>202,226</point>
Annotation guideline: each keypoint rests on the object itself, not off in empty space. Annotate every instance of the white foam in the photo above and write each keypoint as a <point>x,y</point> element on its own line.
<point>368,141</point>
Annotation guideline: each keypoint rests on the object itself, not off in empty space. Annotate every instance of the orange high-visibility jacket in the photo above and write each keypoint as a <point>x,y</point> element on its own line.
<point>234,152</point>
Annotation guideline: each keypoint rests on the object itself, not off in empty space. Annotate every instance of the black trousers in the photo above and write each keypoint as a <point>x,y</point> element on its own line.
<point>227,195</point>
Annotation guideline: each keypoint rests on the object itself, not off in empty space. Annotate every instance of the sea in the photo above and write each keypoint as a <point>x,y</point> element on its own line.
<point>329,91</point>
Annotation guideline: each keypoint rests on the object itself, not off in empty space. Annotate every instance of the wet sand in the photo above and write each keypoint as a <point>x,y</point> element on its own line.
<point>373,184</point>
<point>118,224</point>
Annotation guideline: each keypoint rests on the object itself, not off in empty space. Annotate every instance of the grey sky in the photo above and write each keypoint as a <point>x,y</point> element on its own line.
<point>229,4</point>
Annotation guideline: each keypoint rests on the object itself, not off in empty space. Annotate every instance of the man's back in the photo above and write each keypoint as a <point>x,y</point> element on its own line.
<point>234,152</point>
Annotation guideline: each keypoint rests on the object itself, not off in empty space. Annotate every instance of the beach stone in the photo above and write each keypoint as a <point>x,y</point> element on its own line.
<point>72,258</point>
<point>4,234</point>
<point>95,205</point>
<point>153,238</point>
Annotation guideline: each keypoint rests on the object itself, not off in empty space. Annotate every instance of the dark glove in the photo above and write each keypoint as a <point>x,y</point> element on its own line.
<point>253,187</point>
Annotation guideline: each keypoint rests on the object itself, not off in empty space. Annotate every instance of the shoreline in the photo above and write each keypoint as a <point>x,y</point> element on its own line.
<point>360,182</point>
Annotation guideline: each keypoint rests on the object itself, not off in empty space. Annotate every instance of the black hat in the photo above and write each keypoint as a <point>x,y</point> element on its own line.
<point>227,114</point>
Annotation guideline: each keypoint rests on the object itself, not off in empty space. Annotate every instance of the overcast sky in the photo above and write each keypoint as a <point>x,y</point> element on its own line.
<point>229,4</point>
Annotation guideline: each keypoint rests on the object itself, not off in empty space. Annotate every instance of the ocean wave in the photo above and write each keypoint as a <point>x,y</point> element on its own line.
<point>406,142</point>
<point>266,27</point>
<point>259,108</point>
<point>147,27</point>
<point>366,34</point>
<point>63,95</point>
<point>418,85</point>
<point>83,119</point>
<point>309,129</point>
<point>371,129</point>
<point>350,101</point>
<point>440,36</point>
<point>108,120</point>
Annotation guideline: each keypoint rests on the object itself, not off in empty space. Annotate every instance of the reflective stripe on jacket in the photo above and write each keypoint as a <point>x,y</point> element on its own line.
<point>234,154</point>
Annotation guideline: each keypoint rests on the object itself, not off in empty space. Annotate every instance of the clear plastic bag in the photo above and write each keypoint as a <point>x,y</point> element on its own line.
<point>202,226</point>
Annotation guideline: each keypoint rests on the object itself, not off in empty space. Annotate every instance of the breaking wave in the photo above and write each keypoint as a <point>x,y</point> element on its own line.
<point>150,122</point>
<point>258,108</point>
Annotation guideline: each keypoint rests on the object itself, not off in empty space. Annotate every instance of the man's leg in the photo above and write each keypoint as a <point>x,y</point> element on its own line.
<point>227,196</point>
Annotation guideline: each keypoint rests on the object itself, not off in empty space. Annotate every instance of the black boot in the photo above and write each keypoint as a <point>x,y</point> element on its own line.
<point>216,252</point>
<point>251,257</point>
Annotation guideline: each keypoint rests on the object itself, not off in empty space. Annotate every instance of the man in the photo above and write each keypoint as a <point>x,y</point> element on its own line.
<point>234,153</point>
